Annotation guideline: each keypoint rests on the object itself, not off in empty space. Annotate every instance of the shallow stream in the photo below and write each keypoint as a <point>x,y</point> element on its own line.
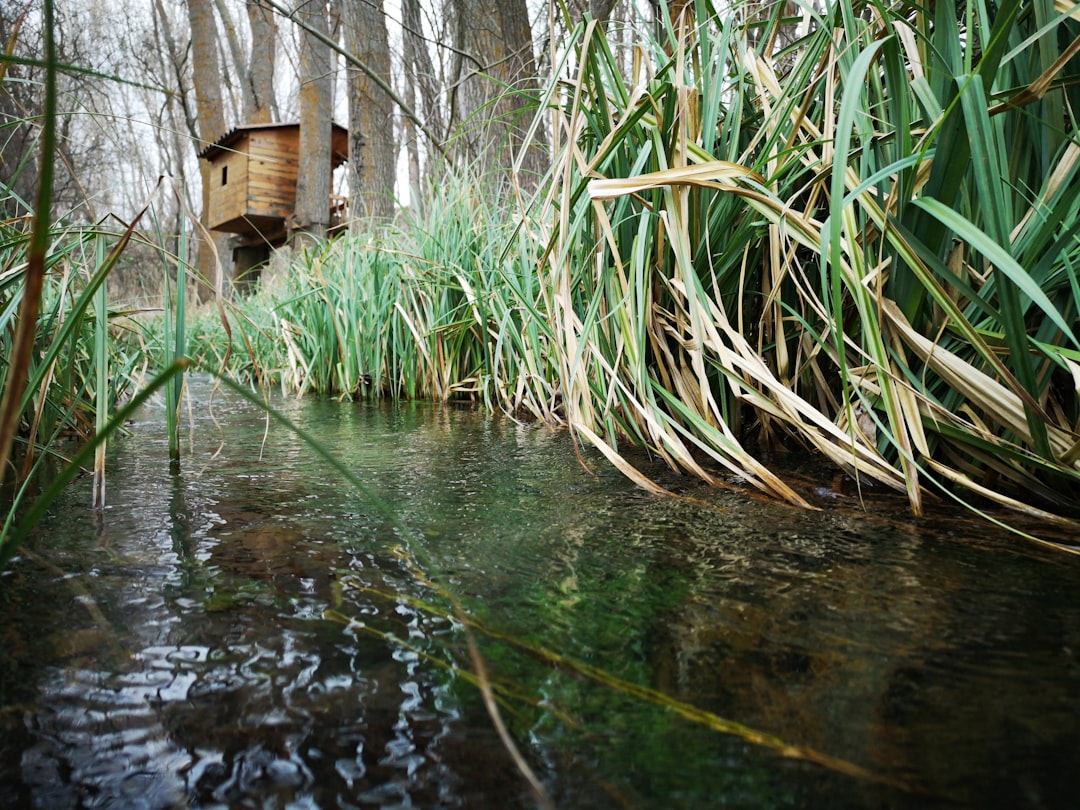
<point>252,631</point>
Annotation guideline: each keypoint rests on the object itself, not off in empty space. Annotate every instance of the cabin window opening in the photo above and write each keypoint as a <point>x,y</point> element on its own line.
<point>224,175</point>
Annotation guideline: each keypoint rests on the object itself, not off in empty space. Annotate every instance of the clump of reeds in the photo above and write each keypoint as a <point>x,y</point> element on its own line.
<point>444,307</point>
<point>852,228</point>
<point>61,373</point>
<point>864,241</point>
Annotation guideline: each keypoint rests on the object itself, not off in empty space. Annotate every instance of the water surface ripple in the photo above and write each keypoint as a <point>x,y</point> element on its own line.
<point>249,631</point>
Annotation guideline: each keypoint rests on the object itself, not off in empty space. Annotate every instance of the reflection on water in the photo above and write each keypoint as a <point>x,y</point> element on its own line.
<point>174,650</point>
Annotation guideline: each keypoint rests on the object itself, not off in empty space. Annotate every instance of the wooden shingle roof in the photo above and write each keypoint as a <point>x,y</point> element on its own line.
<point>226,141</point>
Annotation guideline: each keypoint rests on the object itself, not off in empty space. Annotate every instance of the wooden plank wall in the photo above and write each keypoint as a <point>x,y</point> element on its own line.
<point>274,158</point>
<point>228,200</point>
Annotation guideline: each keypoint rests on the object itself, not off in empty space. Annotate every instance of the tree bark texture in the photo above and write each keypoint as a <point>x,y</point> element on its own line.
<point>212,258</point>
<point>372,146</point>
<point>599,10</point>
<point>312,216</point>
<point>206,71</point>
<point>260,73</point>
<point>494,93</point>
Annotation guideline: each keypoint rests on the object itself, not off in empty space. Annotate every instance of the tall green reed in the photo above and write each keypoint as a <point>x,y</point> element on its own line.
<point>175,340</point>
<point>77,375</point>
<point>101,367</point>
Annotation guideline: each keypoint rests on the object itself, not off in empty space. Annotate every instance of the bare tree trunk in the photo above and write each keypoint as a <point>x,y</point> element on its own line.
<point>254,70</point>
<point>599,10</point>
<point>312,216</point>
<point>176,59</point>
<point>412,147</point>
<point>372,147</point>
<point>422,84</point>
<point>236,53</point>
<point>260,73</point>
<point>521,105</point>
<point>210,118</point>
<point>179,116</point>
<point>478,44</point>
<point>418,64</point>
<point>494,53</point>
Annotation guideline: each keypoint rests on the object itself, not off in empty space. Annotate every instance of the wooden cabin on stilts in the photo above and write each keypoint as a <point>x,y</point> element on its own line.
<point>253,170</point>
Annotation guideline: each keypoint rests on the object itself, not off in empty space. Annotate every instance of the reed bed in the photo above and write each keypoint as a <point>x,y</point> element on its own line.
<point>863,242</point>
<point>78,376</point>
<point>443,307</point>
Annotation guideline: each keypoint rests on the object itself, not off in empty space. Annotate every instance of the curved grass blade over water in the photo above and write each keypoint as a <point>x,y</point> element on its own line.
<point>610,681</point>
